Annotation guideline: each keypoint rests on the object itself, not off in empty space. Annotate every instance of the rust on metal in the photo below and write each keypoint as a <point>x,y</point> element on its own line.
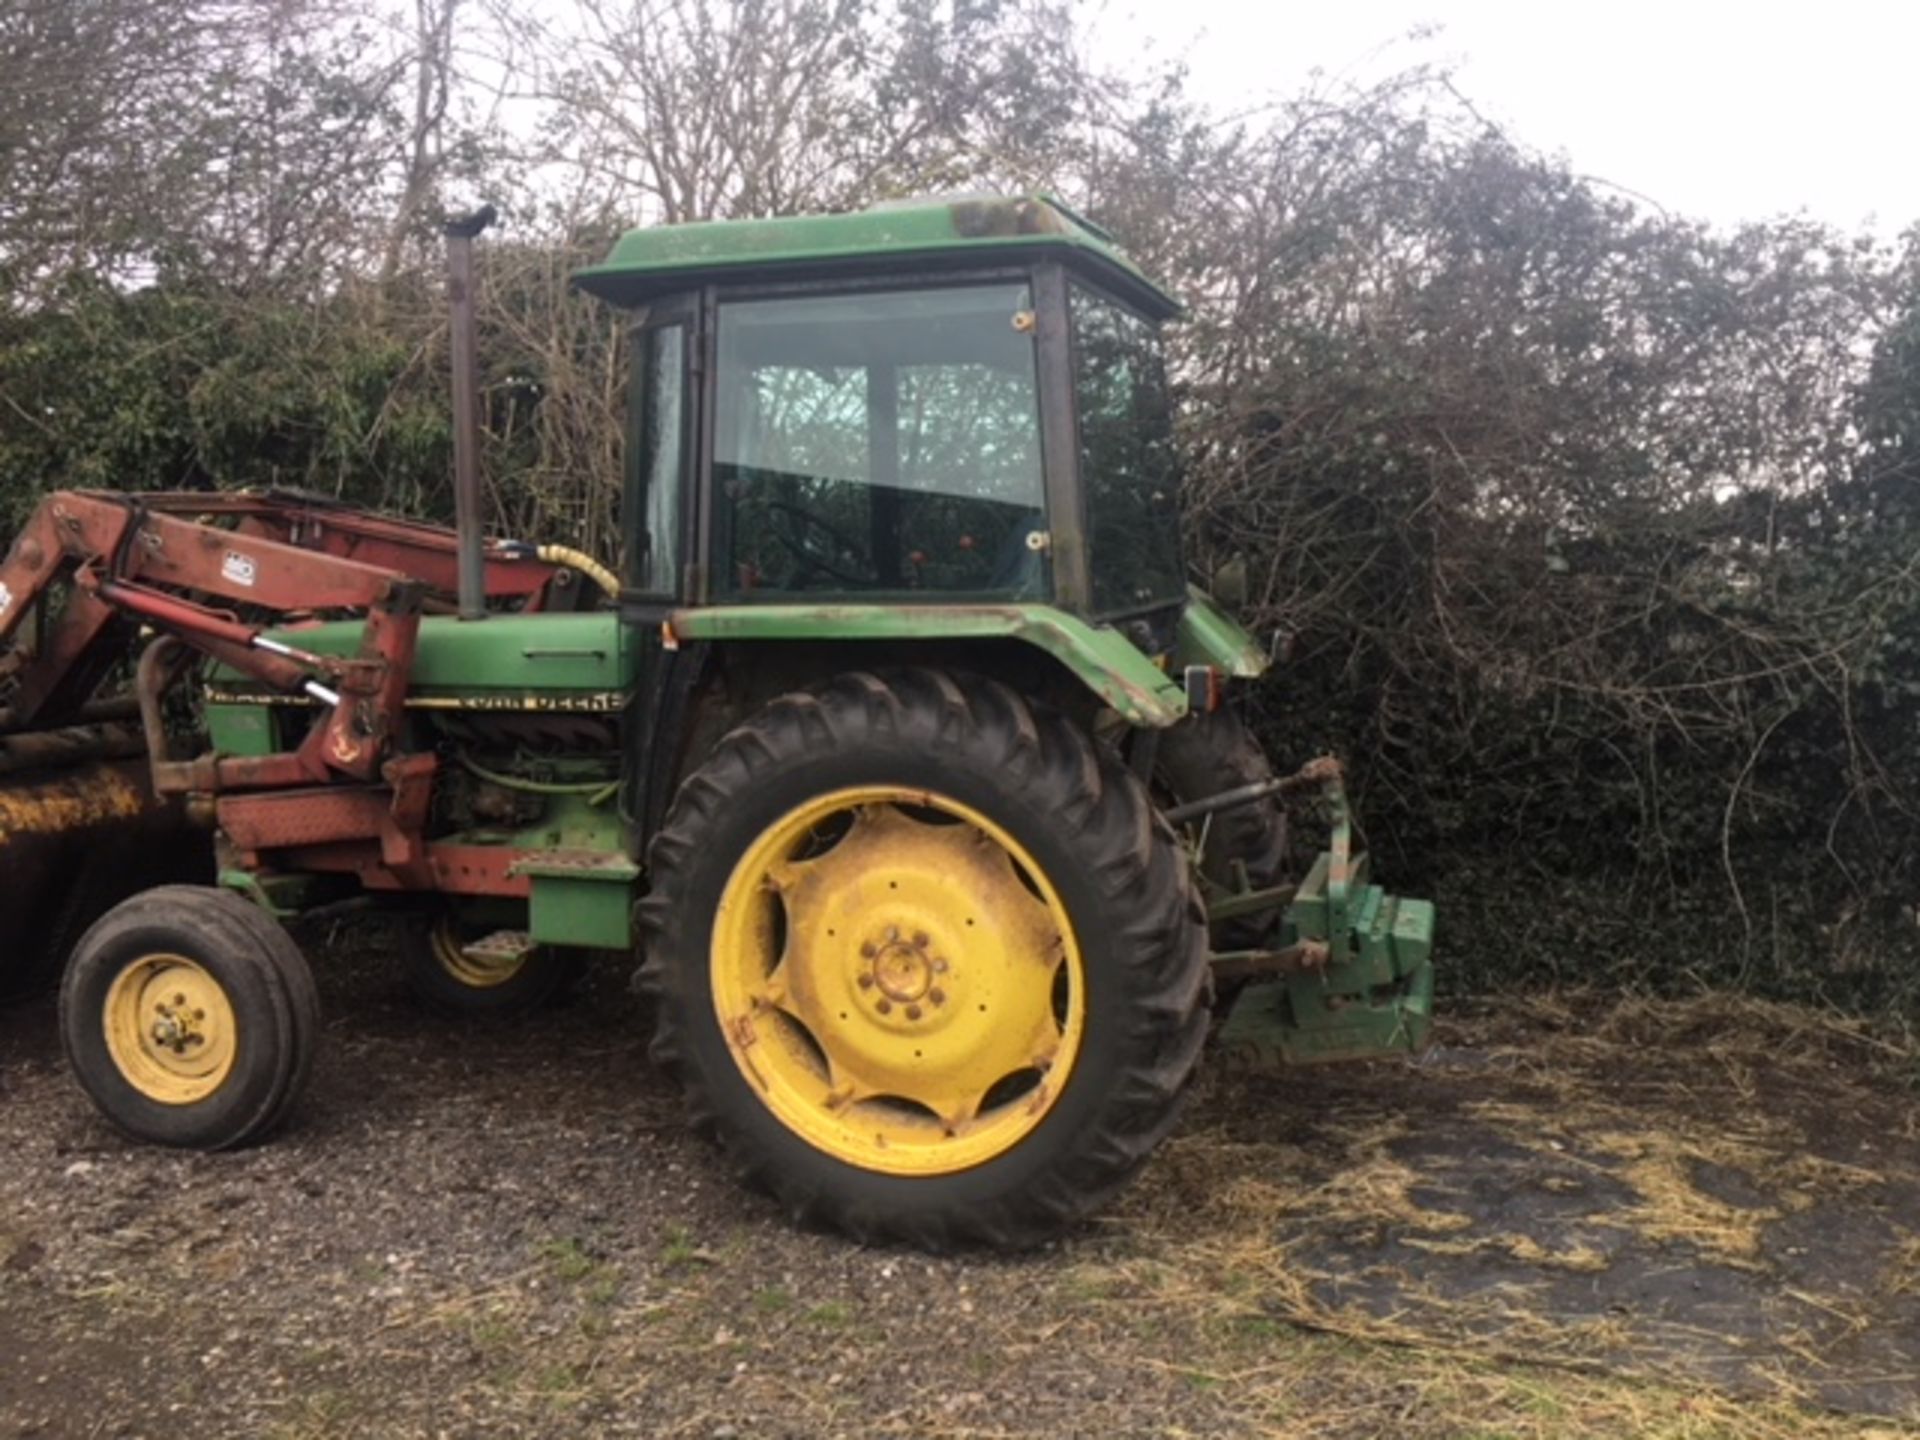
<point>75,840</point>
<point>71,745</point>
<point>1295,959</point>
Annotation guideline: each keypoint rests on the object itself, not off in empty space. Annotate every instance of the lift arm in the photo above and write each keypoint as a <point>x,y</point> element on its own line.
<point>214,572</point>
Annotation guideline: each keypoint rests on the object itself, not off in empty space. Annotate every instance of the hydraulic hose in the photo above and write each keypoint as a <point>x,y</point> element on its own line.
<point>596,791</point>
<point>583,562</point>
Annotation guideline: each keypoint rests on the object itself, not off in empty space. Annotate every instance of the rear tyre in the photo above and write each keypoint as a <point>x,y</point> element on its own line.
<point>446,974</point>
<point>1204,755</point>
<point>190,1018</point>
<point>927,963</point>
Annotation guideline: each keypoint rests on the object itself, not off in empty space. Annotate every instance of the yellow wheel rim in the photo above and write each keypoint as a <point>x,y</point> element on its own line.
<point>899,980</point>
<point>170,1029</point>
<point>479,971</point>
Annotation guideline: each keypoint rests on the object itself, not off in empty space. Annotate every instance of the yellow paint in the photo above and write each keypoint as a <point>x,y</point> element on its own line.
<point>880,991</point>
<point>70,803</point>
<point>170,1029</point>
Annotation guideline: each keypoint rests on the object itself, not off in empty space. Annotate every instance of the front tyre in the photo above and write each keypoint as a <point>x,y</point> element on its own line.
<point>189,1018</point>
<point>929,965</point>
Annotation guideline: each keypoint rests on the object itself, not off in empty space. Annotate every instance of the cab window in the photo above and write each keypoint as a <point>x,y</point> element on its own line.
<point>879,443</point>
<point>1129,463</point>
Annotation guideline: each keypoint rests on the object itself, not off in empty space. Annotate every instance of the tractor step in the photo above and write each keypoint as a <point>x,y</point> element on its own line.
<point>581,896</point>
<point>509,947</point>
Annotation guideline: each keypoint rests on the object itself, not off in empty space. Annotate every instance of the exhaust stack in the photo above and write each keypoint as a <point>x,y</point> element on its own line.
<point>466,411</point>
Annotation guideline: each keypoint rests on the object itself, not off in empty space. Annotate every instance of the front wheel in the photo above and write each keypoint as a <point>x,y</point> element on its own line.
<point>930,966</point>
<point>189,1017</point>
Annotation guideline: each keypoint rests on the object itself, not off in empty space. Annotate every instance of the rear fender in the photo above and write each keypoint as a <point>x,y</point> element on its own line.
<point>1099,657</point>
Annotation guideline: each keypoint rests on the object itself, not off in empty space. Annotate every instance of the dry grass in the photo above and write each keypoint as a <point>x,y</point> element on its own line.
<point>1236,1243</point>
<point>1659,1166</point>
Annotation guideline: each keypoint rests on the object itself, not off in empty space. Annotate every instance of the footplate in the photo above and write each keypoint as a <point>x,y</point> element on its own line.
<point>504,947</point>
<point>1356,977</point>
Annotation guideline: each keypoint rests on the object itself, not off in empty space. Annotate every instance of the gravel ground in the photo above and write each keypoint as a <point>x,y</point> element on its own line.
<point>1562,1223</point>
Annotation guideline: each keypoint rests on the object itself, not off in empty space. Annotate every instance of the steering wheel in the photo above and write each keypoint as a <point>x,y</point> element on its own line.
<point>799,531</point>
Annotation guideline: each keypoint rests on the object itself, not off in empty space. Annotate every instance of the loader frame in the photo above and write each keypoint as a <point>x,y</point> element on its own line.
<point>348,798</point>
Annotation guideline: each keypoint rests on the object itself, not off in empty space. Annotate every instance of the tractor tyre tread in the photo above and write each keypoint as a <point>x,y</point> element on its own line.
<point>1205,755</point>
<point>264,973</point>
<point>303,996</point>
<point>1152,947</point>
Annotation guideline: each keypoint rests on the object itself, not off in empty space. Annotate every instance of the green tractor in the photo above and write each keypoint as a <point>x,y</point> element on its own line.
<point>899,751</point>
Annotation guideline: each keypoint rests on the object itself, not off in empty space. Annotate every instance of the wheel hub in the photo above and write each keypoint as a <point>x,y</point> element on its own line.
<point>170,1029</point>
<point>177,1027</point>
<point>902,966</point>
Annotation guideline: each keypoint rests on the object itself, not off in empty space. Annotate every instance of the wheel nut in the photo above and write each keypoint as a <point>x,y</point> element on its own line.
<point>913,1012</point>
<point>869,950</point>
<point>937,995</point>
<point>920,939</point>
<point>885,1007</point>
<point>866,982</point>
<point>939,965</point>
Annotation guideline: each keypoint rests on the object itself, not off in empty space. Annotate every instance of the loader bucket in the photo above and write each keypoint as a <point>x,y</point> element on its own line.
<point>75,840</point>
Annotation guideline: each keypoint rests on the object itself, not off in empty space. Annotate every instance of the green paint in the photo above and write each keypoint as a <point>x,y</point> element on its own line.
<point>242,729</point>
<point>1100,656</point>
<point>283,896</point>
<point>1210,636</point>
<point>595,914</point>
<point>592,653</point>
<point>581,872</point>
<point>1374,996</point>
<point>650,262</point>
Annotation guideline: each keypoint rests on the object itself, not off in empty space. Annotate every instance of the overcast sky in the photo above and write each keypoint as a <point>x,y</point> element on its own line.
<point>1726,111</point>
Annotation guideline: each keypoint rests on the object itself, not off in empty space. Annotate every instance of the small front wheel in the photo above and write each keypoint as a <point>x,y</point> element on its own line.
<point>189,1017</point>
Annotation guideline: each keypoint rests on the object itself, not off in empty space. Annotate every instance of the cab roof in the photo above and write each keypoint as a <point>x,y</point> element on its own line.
<point>901,235</point>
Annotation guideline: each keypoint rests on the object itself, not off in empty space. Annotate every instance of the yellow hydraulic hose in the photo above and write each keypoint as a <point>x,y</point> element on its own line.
<point>584,563</point>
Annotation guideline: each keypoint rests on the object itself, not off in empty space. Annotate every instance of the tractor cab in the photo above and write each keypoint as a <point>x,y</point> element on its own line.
<point>927,403</point>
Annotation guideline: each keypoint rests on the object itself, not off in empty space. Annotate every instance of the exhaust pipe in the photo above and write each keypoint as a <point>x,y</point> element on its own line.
<point>466,412</point>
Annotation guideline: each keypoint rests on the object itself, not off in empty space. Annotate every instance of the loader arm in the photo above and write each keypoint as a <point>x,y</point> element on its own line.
<point>123,557</point>
<point>318,602</point>
<point>143,557</point>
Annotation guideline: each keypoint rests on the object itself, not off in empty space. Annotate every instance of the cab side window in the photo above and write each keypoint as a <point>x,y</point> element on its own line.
<point>879,443</point>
